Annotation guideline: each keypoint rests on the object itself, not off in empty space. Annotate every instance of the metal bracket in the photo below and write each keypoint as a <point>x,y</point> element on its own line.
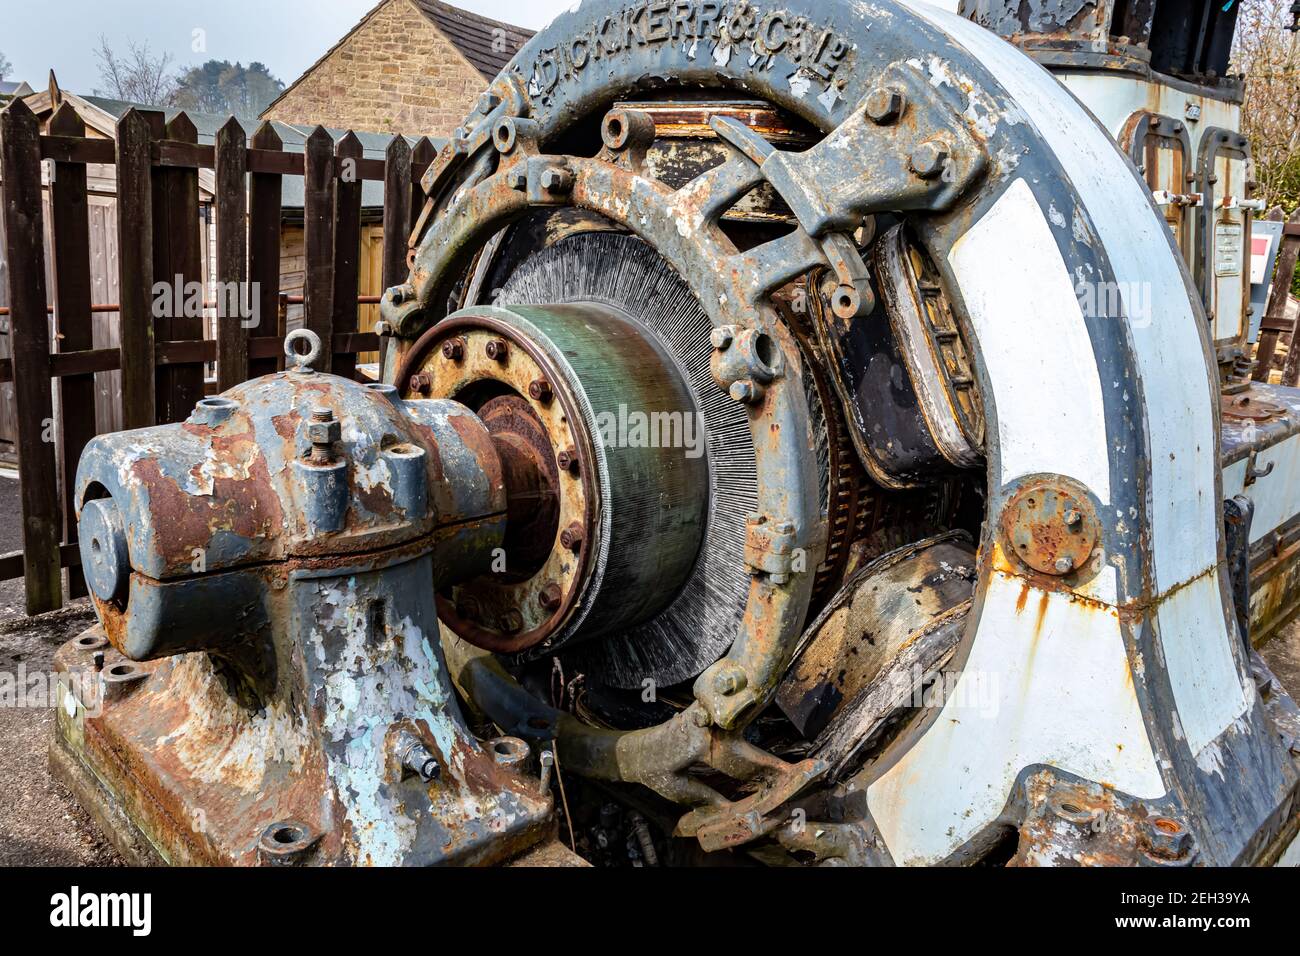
<point>735,824</point>
<point>769,547</point>
<point>1238,513</point>
<point>1253,472</point>
<point>910,154</point>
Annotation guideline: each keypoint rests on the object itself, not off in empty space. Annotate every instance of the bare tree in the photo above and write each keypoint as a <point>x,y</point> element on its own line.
<point>137,75</point>
<point>1268,54</point>
<point>5,66</point>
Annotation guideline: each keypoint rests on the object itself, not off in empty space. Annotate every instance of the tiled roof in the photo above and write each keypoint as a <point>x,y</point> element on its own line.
<point>488,44</point>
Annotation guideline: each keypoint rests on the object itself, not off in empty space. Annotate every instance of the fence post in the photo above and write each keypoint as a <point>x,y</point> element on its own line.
<point>318,226</point>
<point>347,248</point>
<point>178,260</point>
<point>264,212</point>
<point>232,257</point>
<point>135,265</point>
<point>397,210</point>
<point>1283,276</point>
<point>397,222</point>
<point>20,153</point>
<point>70,229</point>
<point>422,155</point>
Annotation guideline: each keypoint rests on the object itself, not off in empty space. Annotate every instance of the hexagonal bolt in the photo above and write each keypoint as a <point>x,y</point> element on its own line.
<point>487,102</point>
<point>421,383</point>
<point>453,350</point>
<point>417,758</point>
<point>517,179</point>
<point>746,391</point>
<point>885,105</point>
<point>539,390</point>
<point>498,350</point>
<point>323,431</point>
<point>512,622</point>
<point>729,681</point>
<point>573,536</point>
<point>1064,564</point>
<point>722,337</point>
<point>1073,519</point>
<point>550,597</point>
<point>556,180</point>
<point>1167,838</point>
<point>929,159</point>
<point>568,460</point>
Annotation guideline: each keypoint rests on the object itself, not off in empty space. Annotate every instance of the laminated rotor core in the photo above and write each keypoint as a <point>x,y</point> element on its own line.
<point>702,619</point>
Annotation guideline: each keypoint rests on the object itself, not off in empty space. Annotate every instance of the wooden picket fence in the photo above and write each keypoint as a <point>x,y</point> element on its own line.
<point>162,360</point>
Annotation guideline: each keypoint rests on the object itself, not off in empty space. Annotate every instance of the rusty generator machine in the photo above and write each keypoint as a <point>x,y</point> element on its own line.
<point>812,432</point>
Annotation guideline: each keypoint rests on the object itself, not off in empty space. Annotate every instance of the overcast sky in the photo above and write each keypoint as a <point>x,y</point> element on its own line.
<point>287,35</point>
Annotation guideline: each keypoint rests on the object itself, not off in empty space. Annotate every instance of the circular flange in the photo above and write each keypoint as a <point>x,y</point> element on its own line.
<point>1051,527</point>
<point>532,591</point>
<point>104,550</point>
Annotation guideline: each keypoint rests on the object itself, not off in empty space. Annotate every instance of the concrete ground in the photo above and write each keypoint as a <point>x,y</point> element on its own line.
<point>40,823</point>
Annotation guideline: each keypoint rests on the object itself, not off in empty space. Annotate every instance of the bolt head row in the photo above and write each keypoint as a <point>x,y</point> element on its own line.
<point>572,536</point>
<point>557,180</point>
<point>550,597</point>
<point>885,105</point>
<point>929,159</point>
<point>539,390</point>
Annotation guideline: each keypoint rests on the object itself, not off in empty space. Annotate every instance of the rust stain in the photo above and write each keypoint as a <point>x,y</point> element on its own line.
<point>247,507</point>
<point>1043,600</point>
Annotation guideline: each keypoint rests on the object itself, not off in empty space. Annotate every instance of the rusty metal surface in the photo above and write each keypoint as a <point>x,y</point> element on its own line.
<point>940,142</point>
<point>311,720</point>
<point>615,184</point>
<point>937,354</point>
<point>1052,527</point>
<point>878,611</point>
<point>505,612</point>
<point>1073,823</point>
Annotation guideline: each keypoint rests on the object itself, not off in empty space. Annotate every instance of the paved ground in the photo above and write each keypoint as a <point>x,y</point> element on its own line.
<point>41,825</point>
